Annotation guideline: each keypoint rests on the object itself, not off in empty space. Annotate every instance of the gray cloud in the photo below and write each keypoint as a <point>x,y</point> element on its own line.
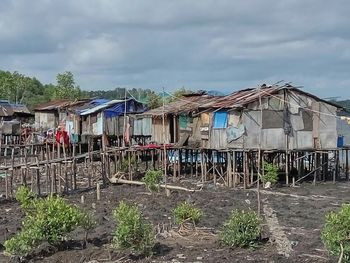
<point>204,44</point>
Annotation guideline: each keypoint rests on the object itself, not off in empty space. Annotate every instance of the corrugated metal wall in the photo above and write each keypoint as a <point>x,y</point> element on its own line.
<point>309,129</point>
<point>157,130</point>
<point>328,126</point>
<point>46,120</point>
<point>143,126</point>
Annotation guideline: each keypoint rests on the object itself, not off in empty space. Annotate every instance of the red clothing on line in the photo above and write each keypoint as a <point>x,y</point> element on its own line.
<point>62,137</point>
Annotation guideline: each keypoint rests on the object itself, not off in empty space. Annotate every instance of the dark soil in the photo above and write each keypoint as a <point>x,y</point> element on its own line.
<point>300,212</point>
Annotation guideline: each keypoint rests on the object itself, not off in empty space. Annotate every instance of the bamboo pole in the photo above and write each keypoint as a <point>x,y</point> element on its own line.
<point>115,180</point>
<point>164,147</point>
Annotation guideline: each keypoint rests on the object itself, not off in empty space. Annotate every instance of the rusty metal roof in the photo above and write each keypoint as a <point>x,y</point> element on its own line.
<point>241,98</point>
<point>59,104</point>
<point>237,99</point>
<point>20,108</point>
<point>182,105</point>
<point>5,109</point>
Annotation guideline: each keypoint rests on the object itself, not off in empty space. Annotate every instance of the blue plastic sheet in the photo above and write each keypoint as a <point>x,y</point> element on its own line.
<point>220,120</point>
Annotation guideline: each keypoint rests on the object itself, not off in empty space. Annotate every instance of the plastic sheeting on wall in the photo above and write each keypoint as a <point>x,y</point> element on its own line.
<point>220,120</point>
<point>234,133</point>
<point>234,119</point>
<point>184,121</point>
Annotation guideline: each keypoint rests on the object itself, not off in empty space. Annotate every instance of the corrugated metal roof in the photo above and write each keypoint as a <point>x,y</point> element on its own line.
<point>20,108</point>
<point>183,105</point>
<point>58,104</point>
<point>243,97</point>
<point>5,109</point>
<point>100,107</point>
<point>236,99</point>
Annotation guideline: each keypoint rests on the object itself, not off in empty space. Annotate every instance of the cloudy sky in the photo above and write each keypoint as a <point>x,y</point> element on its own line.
<point>207,44</point>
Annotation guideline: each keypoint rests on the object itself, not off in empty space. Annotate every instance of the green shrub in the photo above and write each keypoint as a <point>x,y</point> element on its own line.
<point>21,243</point>
<point>186,212</point>
<point>242,229</point>
<point>336,231</point>
<point>88,223</point>
<point>49,219</point>
<point>270,173</point>
<point>124,166</point>
<point>25,197</point>
<point>132,232</point>
<point>152,179</point>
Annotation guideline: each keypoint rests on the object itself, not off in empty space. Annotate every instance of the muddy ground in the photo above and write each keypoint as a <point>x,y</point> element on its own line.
<point>293,219</point>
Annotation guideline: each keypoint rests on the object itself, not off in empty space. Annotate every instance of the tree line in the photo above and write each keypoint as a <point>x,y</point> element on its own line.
<point>19,88</point>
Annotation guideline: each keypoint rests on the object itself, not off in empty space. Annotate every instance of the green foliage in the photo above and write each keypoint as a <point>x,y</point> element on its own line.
<point>87,222</point>
<point>271,173</point>
<point>25,197</point>
<point>152,179</point>
<point>132,231</point>
<point>242,229</point>
<point>336,231</point>
<point>47,219</point>
<point>177,94</point>
<point>66,88</point>
<point>125,164</point>
<point>18,88</point>
<point>186,212</point>
<point>154,100</point>
<point>21,243</point>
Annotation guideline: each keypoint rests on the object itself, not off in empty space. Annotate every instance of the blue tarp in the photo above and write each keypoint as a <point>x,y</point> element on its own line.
<point>99,101</point>
<point>220,120</point>
<point>113,108</point>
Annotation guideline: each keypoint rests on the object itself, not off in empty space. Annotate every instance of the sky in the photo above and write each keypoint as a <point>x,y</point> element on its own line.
<point>219,45</point>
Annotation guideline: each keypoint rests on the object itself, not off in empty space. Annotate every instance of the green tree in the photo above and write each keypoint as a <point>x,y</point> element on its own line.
<point>154,100</point>
<point>178,94</point>
<point>18,88</point>
<point>66,87</point>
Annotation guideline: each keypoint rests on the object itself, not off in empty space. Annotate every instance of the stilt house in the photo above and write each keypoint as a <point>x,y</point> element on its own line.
<point>269,117</point>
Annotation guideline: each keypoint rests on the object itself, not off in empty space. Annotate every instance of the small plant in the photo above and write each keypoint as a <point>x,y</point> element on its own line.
<point>124,166</point>
<point>186,212</point>
<point>21,243</point>
<point>242,229</point>
<point>152,180</point>
<point>88,223</point>
<point>336,232</point>
<point>271,173</point>
<point>132,232</point>
<point>47,219</point>
<point>25,197</point>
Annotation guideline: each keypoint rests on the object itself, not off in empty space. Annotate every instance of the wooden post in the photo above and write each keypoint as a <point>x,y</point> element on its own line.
<point>98,191</point>
<point>53,181</point>
<point>229,169</point>
<point>234,168</point>
<point>196,163</point>
<point>129,166</point>
<point>12,170</point>
<point>337,164</point>
<point>287,164</point>
<point>244,170</point>
<point>347,164</point>
<point>214,166</point>
<point>47,170</point>
<point>90,147</point>
<point>202,166</point>
<point>37,176</point>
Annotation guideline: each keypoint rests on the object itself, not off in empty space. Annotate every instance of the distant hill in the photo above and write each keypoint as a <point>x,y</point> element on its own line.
<point>216,93</point>
<point>343,103</point>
